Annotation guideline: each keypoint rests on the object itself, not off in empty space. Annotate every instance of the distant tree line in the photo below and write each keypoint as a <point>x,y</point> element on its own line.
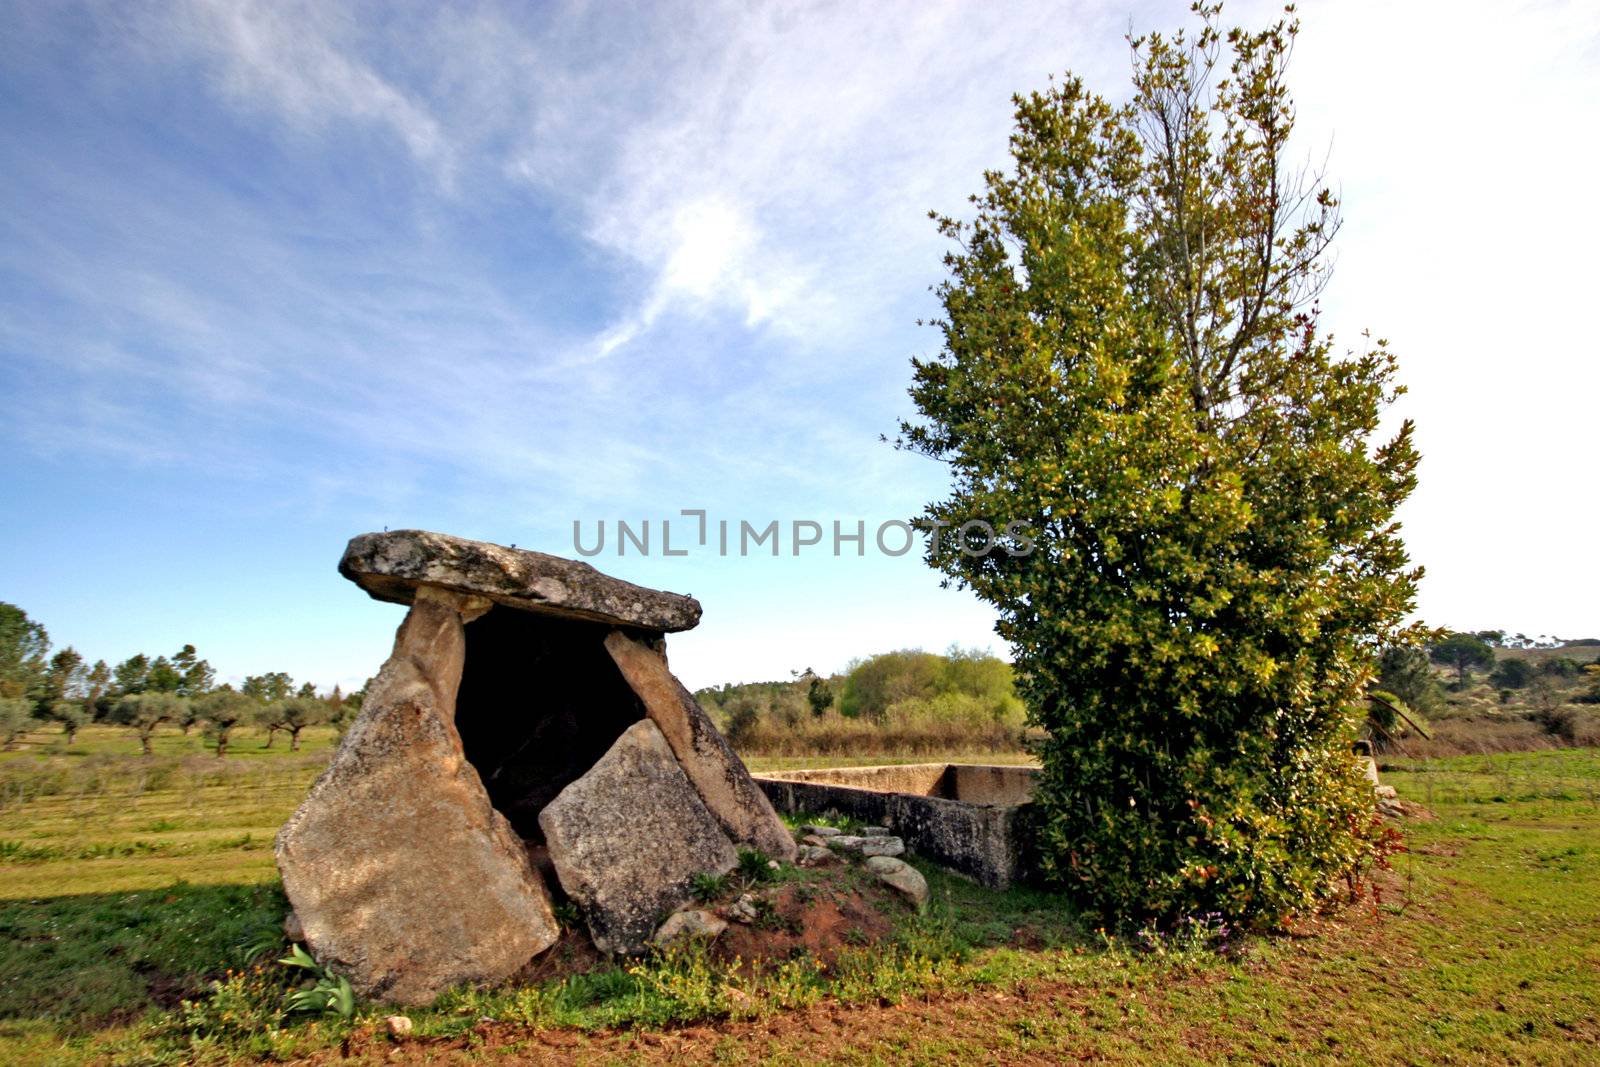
<point>905,701</point>
<point>144,693</point>
<point>1546,686</point>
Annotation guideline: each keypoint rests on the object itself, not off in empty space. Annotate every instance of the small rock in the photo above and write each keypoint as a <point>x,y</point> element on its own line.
<point>292,928</point>
<point>773,865</point>
<point>901,877</point>
<point>882,846</point>
<point>815,856</point>
<point>743,910</point>
<point>1385,791</point>
<point>822,831</point>
<point>814,840</point>
<point>846,842</point>
<point>399,1026</point>
<point>874,831</point>
<point>687,924</point>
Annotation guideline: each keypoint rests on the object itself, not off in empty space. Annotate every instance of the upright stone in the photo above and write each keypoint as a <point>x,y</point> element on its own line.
<point>627,839</point>
<point>717,773</point>
<point>402,875</point>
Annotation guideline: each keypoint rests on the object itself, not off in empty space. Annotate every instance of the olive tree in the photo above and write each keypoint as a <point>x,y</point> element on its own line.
<point>16,719</point>
<point>299,712</point>
<point>221,710</point>
<point>1132,365</point>
<point>146,711</point>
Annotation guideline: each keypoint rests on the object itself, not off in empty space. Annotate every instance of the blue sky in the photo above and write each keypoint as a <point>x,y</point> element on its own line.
<point>272,275</point>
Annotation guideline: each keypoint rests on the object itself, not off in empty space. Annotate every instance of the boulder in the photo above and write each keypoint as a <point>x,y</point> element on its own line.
<point>815,856</point>
<point>900,876</point>
<point>846,842</point>
<point>627,838</point>
<point>744,909</point>
<point>882,846</point>
<point>874,831</point>
<point>394,564</point>
<point>822,831</point>
<point>814,839</point>
<point>725,787</point>
<point>690,923</point>
<point>401,874</point>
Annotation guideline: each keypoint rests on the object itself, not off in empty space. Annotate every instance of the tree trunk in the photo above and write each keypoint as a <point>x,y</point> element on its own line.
<point>272,735</point>
<point>222,745</point>
<point>294,740</point>
<point>144,739</point>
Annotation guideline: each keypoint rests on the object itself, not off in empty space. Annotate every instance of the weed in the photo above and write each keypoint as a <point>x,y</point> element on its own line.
<point>708,887</point>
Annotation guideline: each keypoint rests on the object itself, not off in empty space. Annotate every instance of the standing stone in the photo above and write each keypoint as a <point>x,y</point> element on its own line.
<point>627,839</point>
<point>402,875</point>
<point>727,789</point>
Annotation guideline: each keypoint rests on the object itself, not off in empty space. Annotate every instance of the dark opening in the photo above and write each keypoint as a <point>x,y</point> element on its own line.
<point>540,702</point>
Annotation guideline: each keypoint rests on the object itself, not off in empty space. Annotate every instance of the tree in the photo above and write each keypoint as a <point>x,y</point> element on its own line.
<point>222,710</point>
<point>819,696</point>
<point>132,674</point>
<point>24,644</point>
<point>1463,652</point>
<point>743,717</point>
<point>16,719</point>
<point>1511,674</point>
<point>71,714</point>
<point>269,717</point>
<point>298,712</point>
<point>146,711</point>
<point>1404,671</point>
<point>1132,368</point>
<point>96,687</point>
<point>163,677</point>
<point>195,674</point>
<point>63,679</point>
<point>268,687</point>
<point>307,691</point>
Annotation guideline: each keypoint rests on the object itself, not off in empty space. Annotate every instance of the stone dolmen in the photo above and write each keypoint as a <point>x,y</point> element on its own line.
<point>525,726</point>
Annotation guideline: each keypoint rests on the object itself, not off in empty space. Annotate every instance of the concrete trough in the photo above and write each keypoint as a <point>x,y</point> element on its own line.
<point>971,818</point>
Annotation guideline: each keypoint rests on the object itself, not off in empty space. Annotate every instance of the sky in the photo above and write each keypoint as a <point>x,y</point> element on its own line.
<point>276,274</point>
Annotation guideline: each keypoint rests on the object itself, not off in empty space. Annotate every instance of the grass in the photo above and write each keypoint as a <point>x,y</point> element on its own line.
<point>130,885</point>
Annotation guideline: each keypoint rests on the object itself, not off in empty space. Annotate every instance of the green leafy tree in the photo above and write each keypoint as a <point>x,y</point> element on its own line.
<point>16,719</point>
<point>97,687</point>
<point>24,646</point>
<point>163,677</point>
<point>270,718</point>
<point>268,687</point>
<point>64,679</point>
<point>222,710</point>
<point>1511,674</point>
<point>1132,366</point>
<point>819,696</point>
<point>1462,652</point>
<point>1404,670</point>
<point>132,675</point>
<point>195,675</point>
<point>72,715</point>
<point>299,712</point>
<point>145,712</point>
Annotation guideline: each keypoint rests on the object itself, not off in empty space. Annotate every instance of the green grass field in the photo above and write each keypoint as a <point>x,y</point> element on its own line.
<point>128,885</point>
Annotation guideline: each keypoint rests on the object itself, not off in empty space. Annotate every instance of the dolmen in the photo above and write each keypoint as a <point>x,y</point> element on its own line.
<point>526,727</point>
